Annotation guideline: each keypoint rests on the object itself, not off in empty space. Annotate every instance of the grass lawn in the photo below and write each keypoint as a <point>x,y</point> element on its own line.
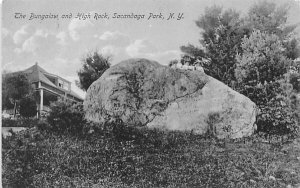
<point>147,158</point>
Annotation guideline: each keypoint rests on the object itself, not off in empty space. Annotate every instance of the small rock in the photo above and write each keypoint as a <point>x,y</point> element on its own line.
<point>289,186</point>
<point>297,186</point>
<point>293,173</point>
<point>272,178</point>
<point>33,144</point>
<point>252,181</point>
<point>91,131</point>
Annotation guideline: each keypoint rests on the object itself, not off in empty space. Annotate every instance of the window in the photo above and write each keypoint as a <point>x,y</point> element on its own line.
<point>66,86</point>
<point>60,83</point>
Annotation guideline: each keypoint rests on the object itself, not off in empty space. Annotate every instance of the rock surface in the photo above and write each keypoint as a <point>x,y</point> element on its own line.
<point>141,92</point>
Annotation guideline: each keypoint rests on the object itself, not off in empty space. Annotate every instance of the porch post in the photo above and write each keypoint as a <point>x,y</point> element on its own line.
<point>41,101</point>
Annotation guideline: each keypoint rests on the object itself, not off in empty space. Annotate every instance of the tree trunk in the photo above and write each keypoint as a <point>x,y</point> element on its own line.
<point>15,108</point>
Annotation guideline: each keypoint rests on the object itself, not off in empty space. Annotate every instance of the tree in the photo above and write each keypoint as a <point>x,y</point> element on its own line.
<point>266,17</point>
<point>94,65</point>
<point>14,88</point>
<point>261,63</point>
<point>295,81</point>
<point>254,54</point>
<point>28,107</point>
<point>263,76</point>
<point>222,33</point>
<point>263,59</point>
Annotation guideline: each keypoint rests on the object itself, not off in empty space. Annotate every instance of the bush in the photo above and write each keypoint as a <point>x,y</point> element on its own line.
<point>7,122</point>
<point>43,126</point>
<point>295,81</point>
<point>18,151</point>
<point>278,105</point>
<point>66,117</point>
<point>263,77</point>
<point>28,107</point>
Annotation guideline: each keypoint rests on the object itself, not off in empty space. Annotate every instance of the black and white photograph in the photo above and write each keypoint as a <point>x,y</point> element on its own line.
<point>150,93</point>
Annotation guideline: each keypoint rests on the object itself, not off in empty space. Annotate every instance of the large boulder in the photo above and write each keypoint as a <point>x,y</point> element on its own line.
<point>141,92</point>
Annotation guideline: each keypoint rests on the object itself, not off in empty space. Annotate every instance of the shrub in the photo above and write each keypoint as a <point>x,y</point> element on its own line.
<point>295,81</point>
<point>213,118</point>
<point>28,107</point>
<point>7,122</point>
<point>263,77</point>
<point>66,117</point>
<point>279,108</point>
<point>19,151</point>
<point>43,126</point>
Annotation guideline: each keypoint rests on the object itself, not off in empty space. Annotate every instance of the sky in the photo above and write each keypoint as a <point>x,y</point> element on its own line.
<point>60,41</point>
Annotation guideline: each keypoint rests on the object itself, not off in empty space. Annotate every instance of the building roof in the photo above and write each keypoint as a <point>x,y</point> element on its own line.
<point>36,73</point>
<point>75,95</point>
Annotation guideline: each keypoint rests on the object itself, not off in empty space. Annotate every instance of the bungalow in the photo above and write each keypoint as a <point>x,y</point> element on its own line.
<point>48,87</point>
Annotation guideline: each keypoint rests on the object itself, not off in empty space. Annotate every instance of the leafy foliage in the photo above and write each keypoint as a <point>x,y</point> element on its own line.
<point>295,81</point>
<point>279,108</point>
<point>28,107</point>
<point>252,54</point>
<point>261,72</point>
<point>224,31</point>
<point>66,117</point>
<point>263,59</point>
<point>292,48</point>
<point>266,17</point>
<point>21,122</point>
<point>14,88</point>
<point>94,65</point>
<point>222,35</point>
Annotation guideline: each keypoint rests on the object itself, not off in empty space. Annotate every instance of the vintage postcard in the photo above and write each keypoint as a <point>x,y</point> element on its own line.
<point>150,93</point>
